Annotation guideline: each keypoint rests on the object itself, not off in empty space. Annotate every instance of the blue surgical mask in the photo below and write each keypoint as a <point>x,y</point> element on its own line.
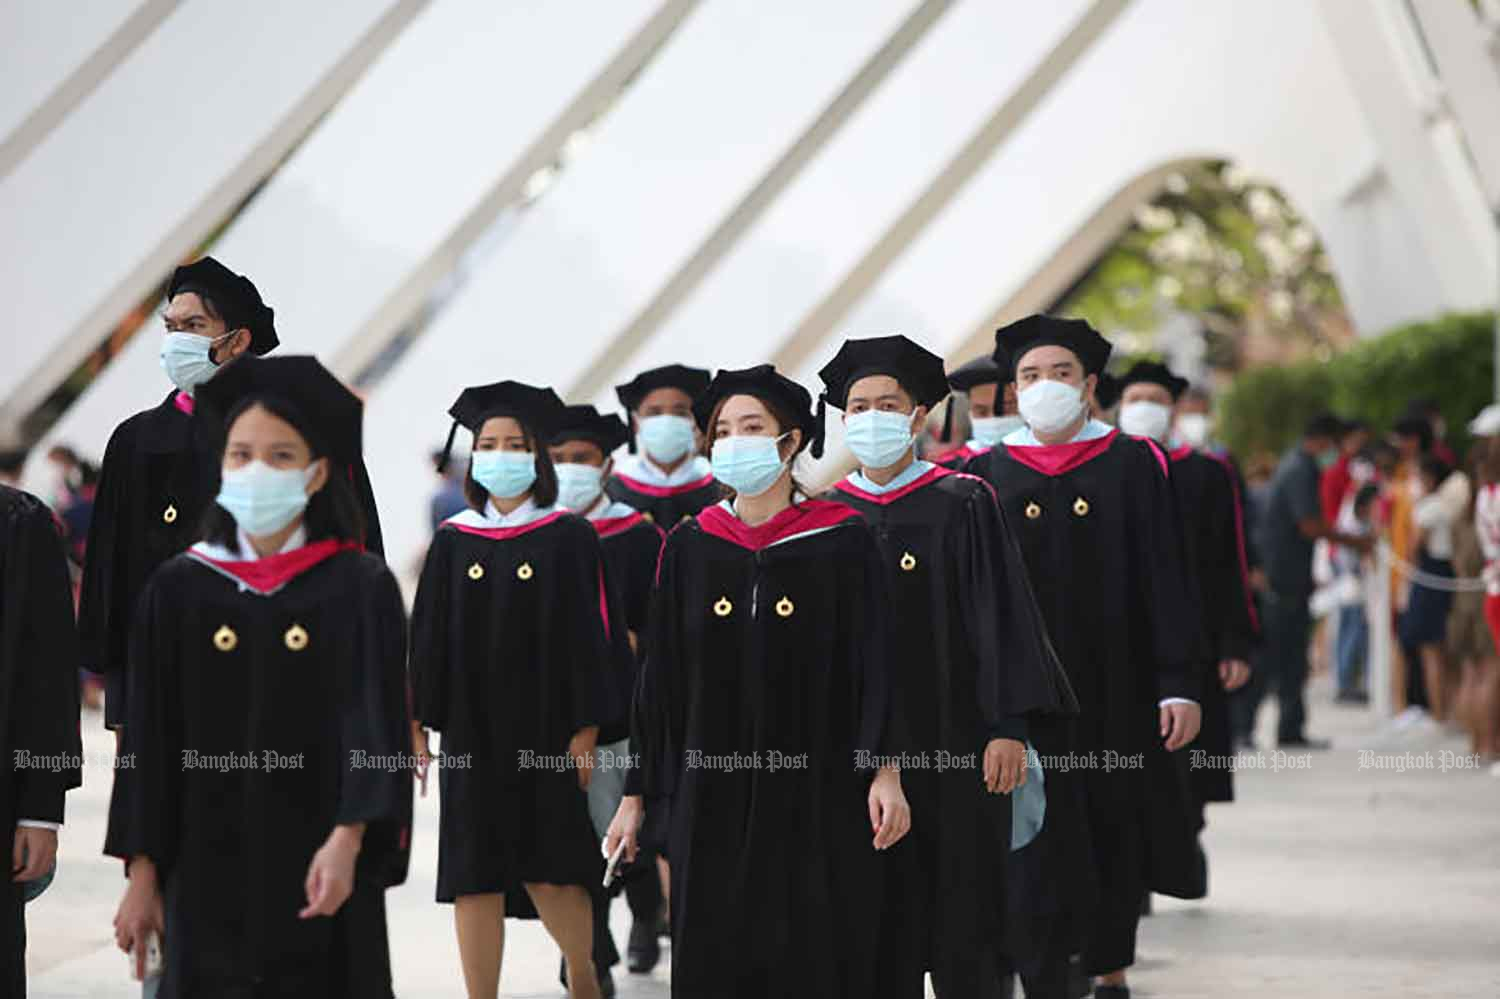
<point>666,438</point>
<point>749,465</point>
<point>578,486</point>
<point>185,358</point>
<point>504,474</point>
<point>261,499</point>
<point>878,439</point>
<point>991,430</point>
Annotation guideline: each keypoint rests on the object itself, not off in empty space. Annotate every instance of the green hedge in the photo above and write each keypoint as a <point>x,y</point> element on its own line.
<point>1450,359</point>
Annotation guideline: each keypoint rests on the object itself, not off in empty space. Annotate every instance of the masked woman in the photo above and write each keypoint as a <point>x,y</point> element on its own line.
<point>761,718</point>
<point>267,716</point>
<point>513,661</point>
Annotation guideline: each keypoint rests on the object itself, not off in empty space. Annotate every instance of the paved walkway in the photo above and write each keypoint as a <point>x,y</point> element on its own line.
<point>1326,881</point>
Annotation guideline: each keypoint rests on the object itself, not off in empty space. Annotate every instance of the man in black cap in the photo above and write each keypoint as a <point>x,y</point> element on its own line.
<point>1093,510</point>
<point>972,662</point>
<point>664,476</point>
<point>992,408</point>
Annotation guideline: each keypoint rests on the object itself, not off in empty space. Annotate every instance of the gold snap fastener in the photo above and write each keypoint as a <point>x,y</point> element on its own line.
<point>784,607</point>
<point>1081,507</point>
<point>476,571</point>
<point>908,561</point>
<point>296,638</point>
<point>225,639</point>
<point>524,571</point>
<point>686,516</point>
<point>649,519</point>
<point>723,607</point>
<point>169,515</point>
<point>1033,511</point>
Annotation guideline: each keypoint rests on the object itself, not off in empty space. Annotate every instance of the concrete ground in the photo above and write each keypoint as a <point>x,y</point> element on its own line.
<point>1329,879</point>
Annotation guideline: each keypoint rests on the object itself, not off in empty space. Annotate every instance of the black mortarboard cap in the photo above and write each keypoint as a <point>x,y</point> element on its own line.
<point>1155,373</point>
<point>690,380</point>
<point>539,410</point>
<point>332,413</point>
<point>586,423</point>
<point>1107,392</point>
<point>1013,341</point>
<point>765,383</point>
<point>983,370</point>
<point>234,296</point>
<point>918,369</point>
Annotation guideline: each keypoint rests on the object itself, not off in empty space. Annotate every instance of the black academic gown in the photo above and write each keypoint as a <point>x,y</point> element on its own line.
<point>1213,537</point>
<point>159,475</point>
<point>971,661</point>
<point>632,547</point>
<point>1101,541</point>
<point>513,651</point>
<point>766,673</point>
<point>665,506</point>
<point>305,671</point>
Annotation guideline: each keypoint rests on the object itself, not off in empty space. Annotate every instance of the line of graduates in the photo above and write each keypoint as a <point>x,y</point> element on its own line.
<point>835,704</point>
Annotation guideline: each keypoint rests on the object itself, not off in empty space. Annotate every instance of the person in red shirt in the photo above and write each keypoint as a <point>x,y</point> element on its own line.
<point>1337,479</point>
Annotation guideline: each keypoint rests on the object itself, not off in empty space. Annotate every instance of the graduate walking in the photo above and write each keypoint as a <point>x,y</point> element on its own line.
<point>762,717</point>
<point>270,806</point>
<point>512,662</point>
<point>1093,510</point>
<point>971,662</point>
<point>992,409</point>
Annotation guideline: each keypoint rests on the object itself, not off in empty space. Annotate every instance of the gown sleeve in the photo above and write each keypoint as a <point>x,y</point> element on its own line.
<point>865,639</point>
<point>658,714</point>
<point>1176,637</point>
<point>608,689</point>
<point>1234,620</point>
<point>429,669</point>
<point>40,659</point>
<point>374,721</point>
<point>102,624</point>
<point>1018,672</point>
<point>374,540</point>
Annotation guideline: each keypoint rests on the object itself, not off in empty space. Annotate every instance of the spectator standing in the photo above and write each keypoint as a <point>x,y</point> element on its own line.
<point>1352,648</point>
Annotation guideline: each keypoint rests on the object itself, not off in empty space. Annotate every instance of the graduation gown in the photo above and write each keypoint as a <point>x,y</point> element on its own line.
<point>268,704</point>
<point>956,460</point>
<point>665,506</point>
<point>971,660</point>
<point>1214,542</point>
<point>769,648</point>
<point>38,666</point>
<point>159,475</point>
<point>1098,530</point>
<point>512,653</point>
<point>631,545</point>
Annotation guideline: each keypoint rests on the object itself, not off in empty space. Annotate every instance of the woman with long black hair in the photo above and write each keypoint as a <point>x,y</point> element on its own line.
<point>270,804</point>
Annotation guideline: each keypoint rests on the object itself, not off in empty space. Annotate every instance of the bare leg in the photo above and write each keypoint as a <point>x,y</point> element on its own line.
<point>480,921</point>
<point>664,872</point>
<point>568,914</point>
<point>1487,708</point>
<point>1432,673</point>
<point>1399,667</point>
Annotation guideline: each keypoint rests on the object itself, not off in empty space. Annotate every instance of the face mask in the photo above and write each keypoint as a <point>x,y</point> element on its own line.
<point>878,439</point>
<point>1050,406</point>
<point>748,465</point>
<point>1193,428</point>
<point>991,430</point>
<point>578,486</point>
<point>1146,419</point>
<point>1328,457</point>
<point>261,499</point>
<point>185,358</point>
<point>504,474</point>
<point>666,438</point>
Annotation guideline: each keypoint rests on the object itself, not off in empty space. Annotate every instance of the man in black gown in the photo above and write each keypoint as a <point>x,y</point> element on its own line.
<point>40,750</point>
<point>971,661</point>
<point>992,408</point>
<point>1093,510</point>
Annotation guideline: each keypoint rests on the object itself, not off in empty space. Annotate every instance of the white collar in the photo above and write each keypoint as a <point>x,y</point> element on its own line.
<point>909,474</point>
<point>608,510</point>
<point>642,469</point>
<point>1092,430</point>
<point>519,517</point>
<point>247,553</point>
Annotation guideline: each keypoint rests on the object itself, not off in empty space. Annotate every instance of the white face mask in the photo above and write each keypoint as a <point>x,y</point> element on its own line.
<point>991,430</point>
<point>1146,419</point>
<point>578,486</point>
<point>1049,406</point>
<point>261,499</point>
<point>879,439</point>
<point>1193,428</point>
<point>187,359</point>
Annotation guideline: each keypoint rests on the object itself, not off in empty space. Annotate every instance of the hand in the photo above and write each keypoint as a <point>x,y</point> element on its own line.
<point>1258,581</point>
<point>330,876</point>
<point>890,815</point>
<point>423,754</point>
<point>1179,724</point>
<point>32,853</point>
<point>625,826</point>
<point>581,748</point>
<point>1233,673</point>
<point>139,914</point>
<point>1004,765</point>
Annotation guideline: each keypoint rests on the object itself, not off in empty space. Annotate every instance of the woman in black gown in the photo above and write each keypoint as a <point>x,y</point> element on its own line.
<point>271,804</point>
<point>761,719</point>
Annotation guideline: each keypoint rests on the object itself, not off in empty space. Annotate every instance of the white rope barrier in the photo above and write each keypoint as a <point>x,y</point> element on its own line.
<point>1449,584</point>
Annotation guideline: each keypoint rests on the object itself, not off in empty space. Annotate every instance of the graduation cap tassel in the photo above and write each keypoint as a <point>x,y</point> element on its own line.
<point>819,425</point>
<point>948,419</point>
<point>447,448</point>
<point>631,442</point>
